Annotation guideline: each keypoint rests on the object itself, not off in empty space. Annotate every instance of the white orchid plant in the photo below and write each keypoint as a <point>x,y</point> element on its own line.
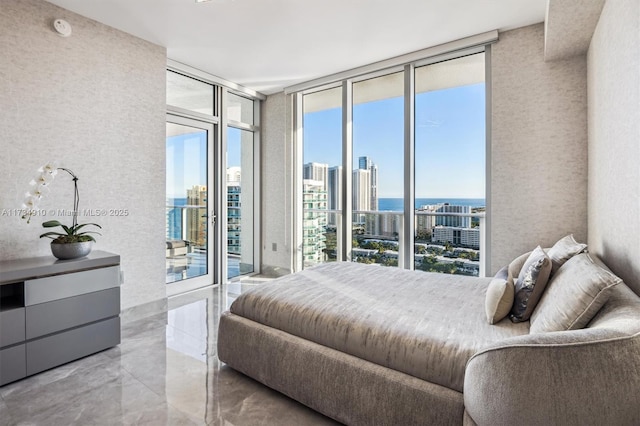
<point>39,189</point>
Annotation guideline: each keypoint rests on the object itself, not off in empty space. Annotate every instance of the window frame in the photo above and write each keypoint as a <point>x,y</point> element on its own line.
<point>407,259</point>
<point>220,119</point>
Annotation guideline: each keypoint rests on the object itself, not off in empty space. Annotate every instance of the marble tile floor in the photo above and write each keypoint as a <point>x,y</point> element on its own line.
<point>165,372</point>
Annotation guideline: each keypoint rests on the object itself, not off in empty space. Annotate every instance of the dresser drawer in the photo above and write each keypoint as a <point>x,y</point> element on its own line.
<point>58,349</point>
<point>59,315</point>
<point>12,364</point>
<point>12,326</point>
<point>57,287</point>
<point>12,329</point>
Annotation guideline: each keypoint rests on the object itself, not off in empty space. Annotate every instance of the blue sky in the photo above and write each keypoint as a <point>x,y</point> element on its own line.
<point>186,160</point>
<point>186,163</point>
<point>233,147</point>
<point>449,149</point>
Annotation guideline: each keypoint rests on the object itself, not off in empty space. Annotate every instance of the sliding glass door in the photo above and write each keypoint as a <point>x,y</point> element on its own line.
<point>190,206</point>
<point>213,181</point>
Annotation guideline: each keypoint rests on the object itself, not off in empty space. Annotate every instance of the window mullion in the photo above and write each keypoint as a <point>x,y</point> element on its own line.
<point>347,160</point>
<point>298,148</point>
<point>408,227</point>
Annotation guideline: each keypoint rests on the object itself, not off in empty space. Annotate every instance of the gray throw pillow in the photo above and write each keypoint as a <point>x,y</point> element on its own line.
<point>575,295</point>
<point>564,250</point>
<point>516,265</point>
<point>499,298</point>
<point>530,285</point>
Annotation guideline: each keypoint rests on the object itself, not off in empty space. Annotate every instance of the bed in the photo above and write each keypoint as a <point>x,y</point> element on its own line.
<point>373,345</point>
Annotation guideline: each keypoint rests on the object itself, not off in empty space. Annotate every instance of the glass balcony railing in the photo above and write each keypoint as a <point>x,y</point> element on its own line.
<point>187,223</point>
<point>377,237</point>
<point>186,253</point>
<point>450,242</point>
<point>443,242</point>
<point>186,250</point>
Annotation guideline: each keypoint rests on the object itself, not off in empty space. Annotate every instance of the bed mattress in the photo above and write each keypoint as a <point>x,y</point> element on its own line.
<point>423,324</point>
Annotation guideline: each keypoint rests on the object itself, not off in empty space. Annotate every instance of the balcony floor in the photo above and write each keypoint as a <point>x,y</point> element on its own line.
<point>194,264</point>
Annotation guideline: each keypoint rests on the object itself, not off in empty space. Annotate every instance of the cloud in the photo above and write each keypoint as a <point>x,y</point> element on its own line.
<point>429,123</point>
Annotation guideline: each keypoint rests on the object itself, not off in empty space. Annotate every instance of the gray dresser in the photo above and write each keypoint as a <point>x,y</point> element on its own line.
<point>55,311</point>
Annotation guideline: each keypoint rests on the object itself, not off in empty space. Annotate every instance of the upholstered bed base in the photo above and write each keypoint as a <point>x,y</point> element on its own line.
<point>343,387</point>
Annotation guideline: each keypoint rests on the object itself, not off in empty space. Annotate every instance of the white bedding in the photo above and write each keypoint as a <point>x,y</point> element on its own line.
<point>424,324</point>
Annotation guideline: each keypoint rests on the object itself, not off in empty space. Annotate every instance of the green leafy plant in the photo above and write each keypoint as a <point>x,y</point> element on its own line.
<point>40,187</point>
<point>72,233</point>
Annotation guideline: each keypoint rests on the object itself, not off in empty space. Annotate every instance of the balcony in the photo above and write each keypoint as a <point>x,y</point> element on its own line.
<point>186,254</point>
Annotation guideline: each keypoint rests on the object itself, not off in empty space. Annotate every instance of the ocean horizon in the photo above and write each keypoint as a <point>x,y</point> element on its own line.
<point>397,204</point>
<point>394,204</point>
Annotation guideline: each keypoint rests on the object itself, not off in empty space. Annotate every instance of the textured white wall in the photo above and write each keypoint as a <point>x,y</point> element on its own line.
<point>277,184</point>
<point>95,102</point>
<point>614,139</point>
<point>539,146</point>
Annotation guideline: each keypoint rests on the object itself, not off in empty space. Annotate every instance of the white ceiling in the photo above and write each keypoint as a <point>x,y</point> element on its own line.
<point>270,44</point>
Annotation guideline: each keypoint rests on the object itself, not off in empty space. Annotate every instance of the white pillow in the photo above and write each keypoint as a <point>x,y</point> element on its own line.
<point>564,250</point>
<point>499,298</point>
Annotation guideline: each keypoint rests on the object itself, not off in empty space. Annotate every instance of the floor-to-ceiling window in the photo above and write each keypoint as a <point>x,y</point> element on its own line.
<point>322,184</point>
<point>414,185</point>
<point>377,185</point>
<point>241,191</point>
<point>211,192</point>
<point>450,164</point>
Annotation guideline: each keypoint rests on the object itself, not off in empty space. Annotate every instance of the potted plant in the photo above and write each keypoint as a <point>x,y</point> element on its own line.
<point>75,241</point>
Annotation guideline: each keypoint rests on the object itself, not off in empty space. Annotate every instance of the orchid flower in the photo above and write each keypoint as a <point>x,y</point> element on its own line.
<point>40,191</point>
<point>41,188</point>
<point>51,167</point>
<point>30,201</point>
<point>44,178</point>
<point>29,205</point>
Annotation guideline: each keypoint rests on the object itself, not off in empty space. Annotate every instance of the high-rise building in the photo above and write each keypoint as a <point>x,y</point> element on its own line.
<point>361,193</point>
<point>424,223</point>
<point>383,225</point>
<point>234,174</point>
<point>374,187</point>
<point>174,219</point>
<point>196,214</point>
<point>365,163</point>
<point>234,191</point>
<point>467,237</point>
<point>454,221</point>
<point>314,224</point>
<point>334,192</point>
<point>318,172</point>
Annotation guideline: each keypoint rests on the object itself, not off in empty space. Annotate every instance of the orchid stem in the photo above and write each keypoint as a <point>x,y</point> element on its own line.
<point>76,195</point>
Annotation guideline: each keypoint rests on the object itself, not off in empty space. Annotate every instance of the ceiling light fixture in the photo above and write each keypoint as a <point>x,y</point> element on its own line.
<point>202,1</point>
